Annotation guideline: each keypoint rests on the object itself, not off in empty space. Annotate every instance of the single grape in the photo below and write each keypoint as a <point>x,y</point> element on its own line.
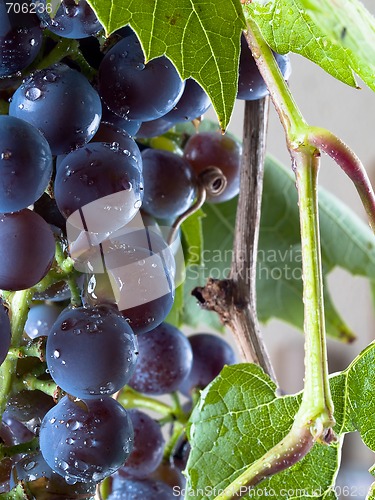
<point>40,319</point>
<point>103,180</point>
<point>45,484</point>
<point>210,354</point>
<point>133,89</point>
<point>251,85</point>
<point>170,184</point>
<point>76,107</point>
<point>91,351</point>
<point>164,361</point>
<point>29,408</point>
<point>120,122</point>
<point>136,489</point>
<point>25,164</point>
<point>27,249</point>
<point>193,103</point>
<point>72,19</point>
<point>86,440</point>
<point>212,149</point>
<point>5,333</point>
<point>118,137</point>
<point>142,285</point>
<point>148,446</point>
<point>154,128</point>
<point>20,37</point>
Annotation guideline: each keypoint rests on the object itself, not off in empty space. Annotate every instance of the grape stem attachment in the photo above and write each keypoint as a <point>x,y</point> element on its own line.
<point>211,182</point>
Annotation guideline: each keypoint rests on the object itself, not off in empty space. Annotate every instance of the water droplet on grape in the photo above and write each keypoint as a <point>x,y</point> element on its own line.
<point>29,465</point>
<point>56,354</point>
<point>6,155</point>
<point>33,94</point>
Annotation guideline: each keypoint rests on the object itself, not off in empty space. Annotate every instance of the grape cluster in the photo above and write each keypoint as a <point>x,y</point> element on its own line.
<point>84,203</point>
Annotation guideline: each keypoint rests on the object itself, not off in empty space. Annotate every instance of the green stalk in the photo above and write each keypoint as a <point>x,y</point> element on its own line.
<point>19,303</point>
<point>130,398</point>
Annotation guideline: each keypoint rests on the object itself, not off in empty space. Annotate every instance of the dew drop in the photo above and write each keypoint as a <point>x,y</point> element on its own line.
<point>56,354</point>
<point>33,93</point>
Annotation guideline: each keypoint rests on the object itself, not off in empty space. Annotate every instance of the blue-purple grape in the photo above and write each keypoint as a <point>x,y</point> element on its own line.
<point>20,36</point>
<point>148,446</point>
<point>164,361</point>
<point>25,164</point>
<point>170,184</point>
<point>193,103</point>
<point>120,122</point>
<point>95,173</point>
<point>133,89</point>
<point>251,85</point>
<point>72,19</point>
<point>86,440</point>
<point>40,319</point>
<point>91,351</point>
<point>75,103</point>
<point>210,354</point>
<point>154,128</point>
<point>27,249</point>
<point>136,489</point>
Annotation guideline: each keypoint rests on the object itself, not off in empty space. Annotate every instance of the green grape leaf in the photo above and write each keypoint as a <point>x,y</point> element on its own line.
<point>371,493</point>
<point>201,38</point>
<point>193,237</point>
<point>338,36</point>
<point>346,242</point>
<point>239,417</point>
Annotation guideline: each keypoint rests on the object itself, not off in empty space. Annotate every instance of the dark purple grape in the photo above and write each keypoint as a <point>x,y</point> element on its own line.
<point>212,149</point>
<point>136,489</point>
<point>164,361</point>
<point>210,354</point>
<point>5,333</point>
<point>29,408</point>
<point>72,19</point>
<point>154,128</point>
<point>45,484</point>
<point>27,249</point>
<point>122,123</point>
<point>40,319</point>
<point>148,446</point>
<point>251,85</point>
<point>13,432</point>
<point>193,103</point>
<point>76,107</point>
<point>91,351</point>
<point>167,473</point>
<point>106,175</point>
<point>86,440</point>
<point>142,284</point>
<point>133,89</point>
<point>181,453</point>
<point>117,137</point>
<point>170,184</point>
<point>20,36</point>
<point>25,164</point>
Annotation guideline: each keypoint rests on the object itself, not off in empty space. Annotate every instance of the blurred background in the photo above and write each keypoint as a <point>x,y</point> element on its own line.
<point>350,114</point>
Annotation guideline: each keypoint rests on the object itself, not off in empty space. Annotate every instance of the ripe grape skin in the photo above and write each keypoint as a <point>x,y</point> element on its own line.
<point>5,333</point>
<point>77,107</point>
<point>27,249</point>
<point>148,446</point>
<point>91,438</point>
<point>134,90</point>
<point>112,134</point>
<point>72,20</point>
<point>251,85</point>
<point>122,123</point>
<point>25,164</point>
<point>211,149</point>
<point>91,351</point>
<point>170,184</point>
<point>20,38</point>
<point>154,128</point>
<point>94,172</point>
<point>40,319</point>
<point>136,489</point>
<point>32,467</point>
<point>164,361</point>
<point>193,103</point>
<point>210,354</point>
